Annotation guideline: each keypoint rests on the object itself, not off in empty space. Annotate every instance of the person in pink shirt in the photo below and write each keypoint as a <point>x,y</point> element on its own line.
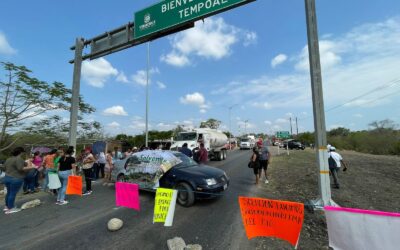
<point>37,163</point>
<point>203,154</point>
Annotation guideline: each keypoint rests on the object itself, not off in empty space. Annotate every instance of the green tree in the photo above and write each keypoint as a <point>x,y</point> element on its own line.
<point>210,123</point>
<point>339,132</point>
<point>23,97</point>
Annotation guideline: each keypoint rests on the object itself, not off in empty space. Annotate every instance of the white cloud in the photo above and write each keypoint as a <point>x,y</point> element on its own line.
<point>115,111</point>
<point>211,39</point>
<point>358,115</point>
<point>175,59</point>
<point>122,77</point>
<point>366,57</point>
<point>193,99</point>
<point>268,123</point>
<point>161,85</point>
<point>203,111</point>
<point>140,77</point>
<point>5,47</point>
<point>97,72</point>
<point>281,121</point>
<point>264,105</point>
<point>113,125</point>
<point>279,59</point>
<point>250,38</point>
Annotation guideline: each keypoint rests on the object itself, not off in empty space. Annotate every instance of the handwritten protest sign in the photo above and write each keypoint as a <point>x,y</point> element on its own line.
<point>272,218</point>
<point>164,207</point>
<point>350,228</point>
<point>127,195</point>
<point>74,185</point>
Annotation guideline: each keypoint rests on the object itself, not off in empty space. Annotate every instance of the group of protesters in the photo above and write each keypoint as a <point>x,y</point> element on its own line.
<point>27,171</point>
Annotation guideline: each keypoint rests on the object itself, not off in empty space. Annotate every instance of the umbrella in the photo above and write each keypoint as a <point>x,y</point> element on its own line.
<point>41,150</point>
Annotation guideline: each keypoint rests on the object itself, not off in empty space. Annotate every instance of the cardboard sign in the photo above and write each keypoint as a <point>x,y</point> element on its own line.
<point>127,195</point>
<point>74,185</point>
<point>272,218</point>
<point>350,228</point>
<point>164,207</point>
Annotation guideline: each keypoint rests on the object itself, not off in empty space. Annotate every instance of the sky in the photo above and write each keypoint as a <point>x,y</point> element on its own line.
<point>247,67</point>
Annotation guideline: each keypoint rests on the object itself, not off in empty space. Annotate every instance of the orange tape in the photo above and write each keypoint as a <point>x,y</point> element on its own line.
<point>324,172</point>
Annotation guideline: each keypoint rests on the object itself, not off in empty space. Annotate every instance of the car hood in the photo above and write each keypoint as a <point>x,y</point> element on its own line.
<point>202,171</point>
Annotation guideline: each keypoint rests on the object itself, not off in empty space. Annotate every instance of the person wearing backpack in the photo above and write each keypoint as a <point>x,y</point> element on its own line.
<point>335,162</point>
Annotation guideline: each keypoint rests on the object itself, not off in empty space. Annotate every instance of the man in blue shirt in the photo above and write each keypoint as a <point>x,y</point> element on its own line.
<point>184,150</point>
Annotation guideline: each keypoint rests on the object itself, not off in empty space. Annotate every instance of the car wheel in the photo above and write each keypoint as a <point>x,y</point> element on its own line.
<point>225,154</point>
<point>185,194</point>
<point>121,178</point>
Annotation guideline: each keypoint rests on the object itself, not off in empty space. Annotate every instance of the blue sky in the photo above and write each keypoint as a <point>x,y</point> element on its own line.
<point>253,57</point>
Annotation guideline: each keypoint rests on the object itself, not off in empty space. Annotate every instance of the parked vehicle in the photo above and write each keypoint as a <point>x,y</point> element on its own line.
<point>296,145</point>
<point>193,181</point>
<point>214,141</point>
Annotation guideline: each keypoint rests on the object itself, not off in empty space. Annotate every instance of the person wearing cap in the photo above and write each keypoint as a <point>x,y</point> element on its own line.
<point>335,162</point>
<point>15,169</point>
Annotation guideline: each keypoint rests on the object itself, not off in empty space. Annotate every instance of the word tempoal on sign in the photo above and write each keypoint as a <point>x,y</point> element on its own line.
<point>175,13</point>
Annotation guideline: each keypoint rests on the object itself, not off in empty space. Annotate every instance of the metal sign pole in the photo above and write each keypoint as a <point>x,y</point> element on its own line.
<point>147,94</point>
<point>73,122</point>
<point>318,107</point>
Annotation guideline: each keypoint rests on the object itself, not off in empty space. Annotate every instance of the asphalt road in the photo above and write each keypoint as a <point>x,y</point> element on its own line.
<point>82,224</point>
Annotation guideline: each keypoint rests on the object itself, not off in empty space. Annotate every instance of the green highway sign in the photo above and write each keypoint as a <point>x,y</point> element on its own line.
<point>169,14</point>
<point>283,134</point>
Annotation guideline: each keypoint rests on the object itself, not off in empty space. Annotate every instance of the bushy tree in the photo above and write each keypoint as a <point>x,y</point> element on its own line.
<point>23,97</point>
<point>210,123</point>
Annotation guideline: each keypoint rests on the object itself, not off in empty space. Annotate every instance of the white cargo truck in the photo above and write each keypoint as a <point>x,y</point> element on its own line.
<point>214,141</point>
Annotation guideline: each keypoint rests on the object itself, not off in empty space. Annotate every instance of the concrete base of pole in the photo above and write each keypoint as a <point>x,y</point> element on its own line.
<point>318,204</point>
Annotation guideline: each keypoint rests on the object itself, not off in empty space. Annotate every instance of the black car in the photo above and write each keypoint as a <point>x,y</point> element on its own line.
<point>295,145</point>
<point>193,181</point>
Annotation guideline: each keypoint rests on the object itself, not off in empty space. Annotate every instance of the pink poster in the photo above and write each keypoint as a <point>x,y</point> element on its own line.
<point>127,195</point>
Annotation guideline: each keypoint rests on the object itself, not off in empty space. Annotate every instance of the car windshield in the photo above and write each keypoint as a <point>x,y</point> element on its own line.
<point>186,161</point>
<point>245,140</point>
<point>186,136</point>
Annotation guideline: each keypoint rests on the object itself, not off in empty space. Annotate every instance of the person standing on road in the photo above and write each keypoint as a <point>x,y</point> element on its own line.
<point>102,163</point>
<point>66,167</point>
<point>15,169</point>
<point>184,150</point>
<point>108,167</point>
<point>203,154</point>
<point>37,161</point>
<point>264,159</point>
<point>335,161</point>
<point>87,167</point>
<point>48,164</point>
<point>255,164</point>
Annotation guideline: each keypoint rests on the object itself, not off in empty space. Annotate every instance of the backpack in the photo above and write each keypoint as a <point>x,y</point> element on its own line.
<point>332,163</point>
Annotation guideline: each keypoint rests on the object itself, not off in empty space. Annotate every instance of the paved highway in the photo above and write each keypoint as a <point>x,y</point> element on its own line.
<point>82,224</point>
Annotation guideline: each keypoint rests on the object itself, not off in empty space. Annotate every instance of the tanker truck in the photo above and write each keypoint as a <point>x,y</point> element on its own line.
<point>214,141</point>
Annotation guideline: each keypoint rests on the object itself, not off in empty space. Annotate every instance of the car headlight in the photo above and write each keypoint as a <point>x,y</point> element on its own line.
<point>211,181</point>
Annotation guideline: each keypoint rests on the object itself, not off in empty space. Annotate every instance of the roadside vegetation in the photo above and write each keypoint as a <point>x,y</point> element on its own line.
<point>383,138</point>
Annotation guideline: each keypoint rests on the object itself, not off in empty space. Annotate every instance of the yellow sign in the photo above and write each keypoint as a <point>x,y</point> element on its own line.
<point>164,207</point>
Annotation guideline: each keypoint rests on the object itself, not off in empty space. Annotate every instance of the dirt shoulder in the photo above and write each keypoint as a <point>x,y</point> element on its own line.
<point>371,182</point>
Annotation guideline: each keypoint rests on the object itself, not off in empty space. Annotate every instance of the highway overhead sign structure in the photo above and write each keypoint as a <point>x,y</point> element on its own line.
<point>171,14</point>
<point>283,134</point>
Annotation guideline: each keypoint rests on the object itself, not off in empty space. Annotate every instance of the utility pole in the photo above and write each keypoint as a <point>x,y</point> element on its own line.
<point>291,130</point>
<point>147,94</point>
<point>230,128</point>
<point>297,128</point>
<point>76,82</point>
<point>245,126</point>
<point>318,108</point>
